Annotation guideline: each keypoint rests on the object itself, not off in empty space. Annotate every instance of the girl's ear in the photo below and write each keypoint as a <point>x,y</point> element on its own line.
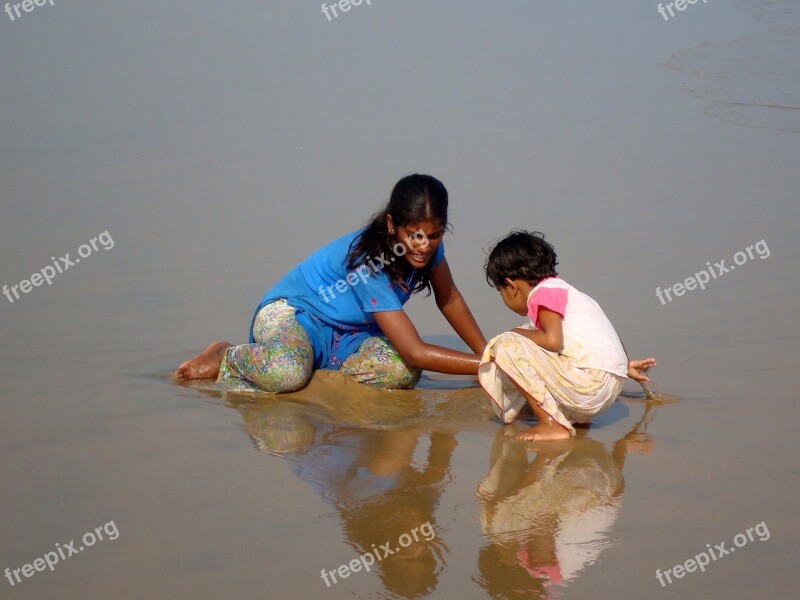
<point>389,224</point>
<point>510,284</point>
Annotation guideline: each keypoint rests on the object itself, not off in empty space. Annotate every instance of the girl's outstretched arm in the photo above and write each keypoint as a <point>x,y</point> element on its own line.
<point>454,308</point>
<point>418,354</point>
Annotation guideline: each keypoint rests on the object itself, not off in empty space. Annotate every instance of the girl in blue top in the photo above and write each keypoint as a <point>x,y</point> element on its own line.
<point>342,307</point>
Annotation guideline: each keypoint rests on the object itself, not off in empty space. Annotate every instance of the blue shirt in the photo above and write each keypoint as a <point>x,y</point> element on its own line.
<point>334,304</point>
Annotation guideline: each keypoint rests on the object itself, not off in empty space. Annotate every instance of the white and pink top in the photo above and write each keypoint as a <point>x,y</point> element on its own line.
<point>589,337</point>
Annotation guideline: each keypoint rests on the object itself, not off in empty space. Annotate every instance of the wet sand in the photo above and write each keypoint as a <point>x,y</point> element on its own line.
<point>220,147</point>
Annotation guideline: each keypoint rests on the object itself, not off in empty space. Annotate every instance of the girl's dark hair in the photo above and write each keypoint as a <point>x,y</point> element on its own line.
<point>414,198</point>
<point>521,255</point>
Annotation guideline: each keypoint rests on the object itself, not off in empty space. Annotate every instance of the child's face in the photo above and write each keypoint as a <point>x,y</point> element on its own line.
<point>514,299</point>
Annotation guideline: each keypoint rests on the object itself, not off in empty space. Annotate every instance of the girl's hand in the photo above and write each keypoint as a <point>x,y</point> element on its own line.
<point>638,368</point>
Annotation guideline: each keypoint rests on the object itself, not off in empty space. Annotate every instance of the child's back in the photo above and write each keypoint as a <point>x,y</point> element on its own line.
<point>589,337</point>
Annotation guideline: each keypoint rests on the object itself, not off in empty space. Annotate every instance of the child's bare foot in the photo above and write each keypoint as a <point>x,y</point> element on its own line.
<point>205,365</point>
<point>543,432</point>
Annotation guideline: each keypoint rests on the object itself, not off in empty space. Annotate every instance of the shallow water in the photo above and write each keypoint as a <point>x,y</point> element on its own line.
<point>752,80</point>
<point>218,148</point>
<point>383,463</point>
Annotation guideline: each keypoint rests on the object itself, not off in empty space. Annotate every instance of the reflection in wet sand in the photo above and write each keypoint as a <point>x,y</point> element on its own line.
<point>332,396</point>
<point>549,518</point>
<point>544,519</point>
<point>368,476</point>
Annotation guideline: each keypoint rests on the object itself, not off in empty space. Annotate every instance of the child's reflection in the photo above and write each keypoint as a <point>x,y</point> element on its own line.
<point>549,518</point>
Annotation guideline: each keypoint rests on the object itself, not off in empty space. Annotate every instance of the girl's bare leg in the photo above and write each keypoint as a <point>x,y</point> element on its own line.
<point>546,429</point>
<point>205,365</point>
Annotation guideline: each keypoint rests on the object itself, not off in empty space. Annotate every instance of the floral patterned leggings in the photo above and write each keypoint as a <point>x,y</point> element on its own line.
<point>282,359</point>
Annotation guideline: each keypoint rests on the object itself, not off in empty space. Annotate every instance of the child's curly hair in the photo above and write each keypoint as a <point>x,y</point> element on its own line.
<point>521,255</point>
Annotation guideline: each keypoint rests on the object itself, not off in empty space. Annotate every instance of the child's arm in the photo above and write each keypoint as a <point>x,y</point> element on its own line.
<point>550,336</point>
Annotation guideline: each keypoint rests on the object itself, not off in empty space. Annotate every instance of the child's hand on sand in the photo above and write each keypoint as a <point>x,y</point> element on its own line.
<point>638,368</point>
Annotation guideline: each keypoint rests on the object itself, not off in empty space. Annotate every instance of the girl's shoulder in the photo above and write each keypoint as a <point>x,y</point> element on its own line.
<point>553,282</point>
<point>339,245</point>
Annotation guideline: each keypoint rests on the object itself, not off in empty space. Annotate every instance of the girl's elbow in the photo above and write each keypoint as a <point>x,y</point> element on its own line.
<point>555,346</point>
<point>415,362</point>
<point>442,303</point>
<point>415,358</point>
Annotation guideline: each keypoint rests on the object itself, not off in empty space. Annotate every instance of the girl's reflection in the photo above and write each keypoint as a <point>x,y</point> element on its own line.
<point>368,475</point>
<point>549,518</point>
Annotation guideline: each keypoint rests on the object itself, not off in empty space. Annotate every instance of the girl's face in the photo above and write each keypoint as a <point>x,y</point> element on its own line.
<point>514,298</point>
<point>421,240</point>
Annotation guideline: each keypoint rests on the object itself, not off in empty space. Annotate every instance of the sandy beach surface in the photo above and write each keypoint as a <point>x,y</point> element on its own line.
<point>199,150</point>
